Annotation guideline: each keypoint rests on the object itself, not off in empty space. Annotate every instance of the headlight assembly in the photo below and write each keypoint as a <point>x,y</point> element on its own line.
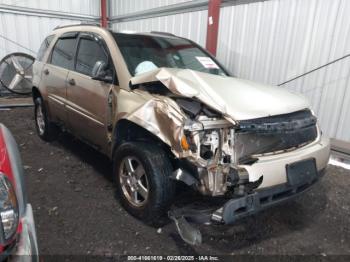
<point>212,142</point>
<point>9,213</point>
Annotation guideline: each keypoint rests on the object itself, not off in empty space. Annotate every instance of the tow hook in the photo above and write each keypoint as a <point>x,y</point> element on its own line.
<point>188,233</point>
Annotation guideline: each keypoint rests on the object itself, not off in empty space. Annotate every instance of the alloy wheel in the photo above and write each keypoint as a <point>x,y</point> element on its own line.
<point>134,181</point>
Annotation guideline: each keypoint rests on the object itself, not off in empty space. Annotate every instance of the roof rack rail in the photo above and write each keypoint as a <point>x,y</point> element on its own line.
<point>162,33</point>
<point>81,24</point>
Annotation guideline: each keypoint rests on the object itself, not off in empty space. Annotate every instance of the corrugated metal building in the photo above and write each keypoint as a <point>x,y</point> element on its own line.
<point>131,6</point>
<point>267,41</point>
<point>126,15</point>
<point>274,41</point>
<point>25,23</point>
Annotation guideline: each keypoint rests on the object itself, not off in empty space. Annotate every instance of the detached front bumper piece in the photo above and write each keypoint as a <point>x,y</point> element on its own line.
<point>250,204</point>
<point>299,181</point>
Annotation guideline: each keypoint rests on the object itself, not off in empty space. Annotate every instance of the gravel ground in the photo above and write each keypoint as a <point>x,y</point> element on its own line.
<point>76,211</point>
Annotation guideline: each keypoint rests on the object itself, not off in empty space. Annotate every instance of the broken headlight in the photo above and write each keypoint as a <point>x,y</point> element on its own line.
<point>209,138</point>
<point>209,144</point>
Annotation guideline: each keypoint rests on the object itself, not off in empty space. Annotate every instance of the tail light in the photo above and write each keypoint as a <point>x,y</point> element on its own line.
<point>12,196</point>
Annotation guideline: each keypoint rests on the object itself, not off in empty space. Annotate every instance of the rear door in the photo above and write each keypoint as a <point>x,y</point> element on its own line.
<point>55,73</point>
<point>87,99</point>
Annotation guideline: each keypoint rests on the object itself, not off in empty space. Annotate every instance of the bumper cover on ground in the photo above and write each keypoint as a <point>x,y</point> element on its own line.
<point>238,208</point>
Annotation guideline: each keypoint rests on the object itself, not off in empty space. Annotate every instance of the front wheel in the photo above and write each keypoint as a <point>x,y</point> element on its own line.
<point>47,131</point>
<point>142,173</point>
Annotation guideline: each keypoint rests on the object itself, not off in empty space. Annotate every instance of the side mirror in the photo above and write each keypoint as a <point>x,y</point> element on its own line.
<point>101,73</point>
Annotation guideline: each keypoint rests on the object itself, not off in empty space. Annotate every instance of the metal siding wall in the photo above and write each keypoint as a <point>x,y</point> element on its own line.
<point>30,31</point>
<point>190,25</point>
<point>122,7</point>
<point>273,41</point>
<point>276,40</point>
<point>87,7</point>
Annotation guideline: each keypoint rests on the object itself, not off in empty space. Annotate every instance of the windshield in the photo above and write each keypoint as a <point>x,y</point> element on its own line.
<point>143,53</point>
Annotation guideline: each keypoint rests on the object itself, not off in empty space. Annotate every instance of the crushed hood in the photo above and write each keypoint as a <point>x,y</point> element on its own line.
<point>236,98</point>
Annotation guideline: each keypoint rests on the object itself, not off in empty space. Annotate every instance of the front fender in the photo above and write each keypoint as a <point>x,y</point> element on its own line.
<point>161,120</point>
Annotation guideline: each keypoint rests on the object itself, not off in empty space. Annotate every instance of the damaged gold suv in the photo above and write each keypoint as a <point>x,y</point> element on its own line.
<point>165,111</point>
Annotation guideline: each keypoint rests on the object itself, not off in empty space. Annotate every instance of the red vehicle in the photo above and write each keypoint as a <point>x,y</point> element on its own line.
<point>17,230</point>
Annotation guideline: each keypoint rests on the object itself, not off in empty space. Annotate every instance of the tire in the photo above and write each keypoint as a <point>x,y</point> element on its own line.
<point>157,170</point>
<point>46,130</point>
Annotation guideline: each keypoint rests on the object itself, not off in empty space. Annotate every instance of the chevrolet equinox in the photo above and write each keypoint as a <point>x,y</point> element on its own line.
<point>165,111</point>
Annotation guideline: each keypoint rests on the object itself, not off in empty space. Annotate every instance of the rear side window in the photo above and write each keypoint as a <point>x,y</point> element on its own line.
<point>63,53</point>
<point>89,52</point>
<point>44,46</point>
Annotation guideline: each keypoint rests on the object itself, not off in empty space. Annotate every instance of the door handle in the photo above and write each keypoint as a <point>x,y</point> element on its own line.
<point>46,71</point>
<point>71,82</point>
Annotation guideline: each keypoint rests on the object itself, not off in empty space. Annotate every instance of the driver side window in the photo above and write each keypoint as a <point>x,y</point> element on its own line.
<point>89,52</point>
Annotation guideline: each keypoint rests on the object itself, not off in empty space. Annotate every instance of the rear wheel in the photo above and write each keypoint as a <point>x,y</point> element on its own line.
<point>47,131</point>
<point>142,173</point>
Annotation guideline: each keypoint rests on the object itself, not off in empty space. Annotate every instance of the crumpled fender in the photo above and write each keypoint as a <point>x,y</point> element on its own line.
<point>162,119</point>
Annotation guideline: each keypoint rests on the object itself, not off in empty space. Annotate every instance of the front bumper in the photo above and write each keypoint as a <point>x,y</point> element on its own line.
<point>278,186</point>
<point>273,167</point>
<point>236,208</point>
<point>253,203</point>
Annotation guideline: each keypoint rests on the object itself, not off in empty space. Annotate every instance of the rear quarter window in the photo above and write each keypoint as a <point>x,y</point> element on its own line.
<point>44,46</point>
